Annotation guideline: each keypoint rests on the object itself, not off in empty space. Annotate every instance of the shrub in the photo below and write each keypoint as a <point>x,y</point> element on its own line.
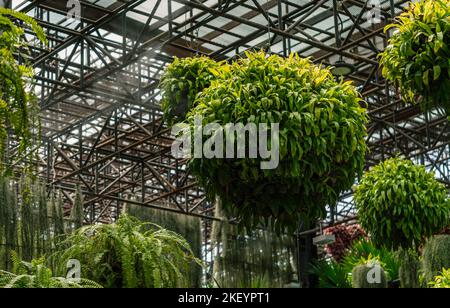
<point>365,250</point>
<point>441,281</point>
<point>321,144</point>
<point>418,55</point>
<point>345,237</point>
<point>182,81</point>
<point>331,275</point>
<point>129,254</point>
<point>399,204</point>
<point>436,256</point>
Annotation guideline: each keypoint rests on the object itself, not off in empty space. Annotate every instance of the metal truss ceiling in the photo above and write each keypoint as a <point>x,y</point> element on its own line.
<point>98,87</point>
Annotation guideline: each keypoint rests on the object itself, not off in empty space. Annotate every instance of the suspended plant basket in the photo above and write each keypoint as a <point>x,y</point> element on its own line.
<point>417,58</point>
<point>321,140</point>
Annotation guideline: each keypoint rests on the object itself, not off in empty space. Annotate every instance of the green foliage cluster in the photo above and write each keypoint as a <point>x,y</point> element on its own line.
<point>399,204</point>
<point>331,275</point>
<point>19,114</point>
<point>182,81</point>
<point>436,256</point>
<point>36,275</point>
<point>366,250</point>
<point>418,55</point>
<point>188,227</point>
<point>441,281</point>
<point>360,275</point>
<point>322,139</point>
<point>128,254</point>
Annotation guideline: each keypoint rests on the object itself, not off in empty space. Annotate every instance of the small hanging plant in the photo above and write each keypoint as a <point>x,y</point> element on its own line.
<point>183,80</point>
<point>321,140</point>
<point>418,55</point>
<point>19,116</point>
<point>400,204</point>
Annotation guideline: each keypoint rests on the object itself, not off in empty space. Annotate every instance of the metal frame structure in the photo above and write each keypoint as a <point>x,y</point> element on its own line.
<point>98,87</point>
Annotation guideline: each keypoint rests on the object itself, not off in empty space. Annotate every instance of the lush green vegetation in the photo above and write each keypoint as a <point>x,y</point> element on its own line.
<point>129,254</point>
<point>19,116</point>
<point>441,281</point>
<point>400,204</point>
<point>37,275</point>
<point>321,144</point>
<point>418,55</point>
<point>183,80</point>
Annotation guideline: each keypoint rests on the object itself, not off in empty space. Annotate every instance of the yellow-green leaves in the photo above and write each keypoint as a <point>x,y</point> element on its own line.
<point>418,55</point>
<point>322,139</point>
<point>19,108</point>
<point>399,204</point>
<point>183,80</point>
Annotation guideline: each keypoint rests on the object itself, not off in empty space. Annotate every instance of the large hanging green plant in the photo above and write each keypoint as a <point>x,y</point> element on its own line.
<point>399,204</point>
<point>322,139</point>
<point>19,115</point>
<point>129,254</point>
<point>418,55</point>
<point>183,80</point>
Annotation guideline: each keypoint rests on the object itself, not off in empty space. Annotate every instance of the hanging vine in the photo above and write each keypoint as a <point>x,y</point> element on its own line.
<point>19,116</point>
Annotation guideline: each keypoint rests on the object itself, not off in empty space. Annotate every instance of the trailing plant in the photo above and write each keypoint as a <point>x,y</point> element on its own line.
<point>400,204</point>
<point>363,274</point>
<point>365,250</point>
<point>246,260</point>
<point>183,80</point>
<point>19,115</point>
<point>418,54</point>
<point>409,269</point>
<point>77,213</point>
<point>331,274</point>
<point>321,140</point>
<point>436,256</point>
<point>36,275</point>
<point>441,281</point>
<point>128,254</point>
<point>345,237</point>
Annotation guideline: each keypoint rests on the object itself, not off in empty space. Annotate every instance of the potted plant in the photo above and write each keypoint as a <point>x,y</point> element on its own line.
<point>417,58</point>
<point>321,140</point>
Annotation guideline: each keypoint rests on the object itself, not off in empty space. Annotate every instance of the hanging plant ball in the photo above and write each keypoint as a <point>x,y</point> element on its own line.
<point>418,55</point>
<point>400,204</point>
<point>315,154</point>
<point>182,81</point>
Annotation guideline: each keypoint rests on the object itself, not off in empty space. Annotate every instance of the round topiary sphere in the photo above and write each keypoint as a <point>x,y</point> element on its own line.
<point>321,139</point>
<point>399,204</point>
<point>418,55</point>
<point>181,82</point>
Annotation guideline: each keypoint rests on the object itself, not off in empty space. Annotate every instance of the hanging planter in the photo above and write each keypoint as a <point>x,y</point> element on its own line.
<point>19,116</point>
<point>321,140</point>
<point>400,204</point>
<point>181,83</point>
<point>417,58</point>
